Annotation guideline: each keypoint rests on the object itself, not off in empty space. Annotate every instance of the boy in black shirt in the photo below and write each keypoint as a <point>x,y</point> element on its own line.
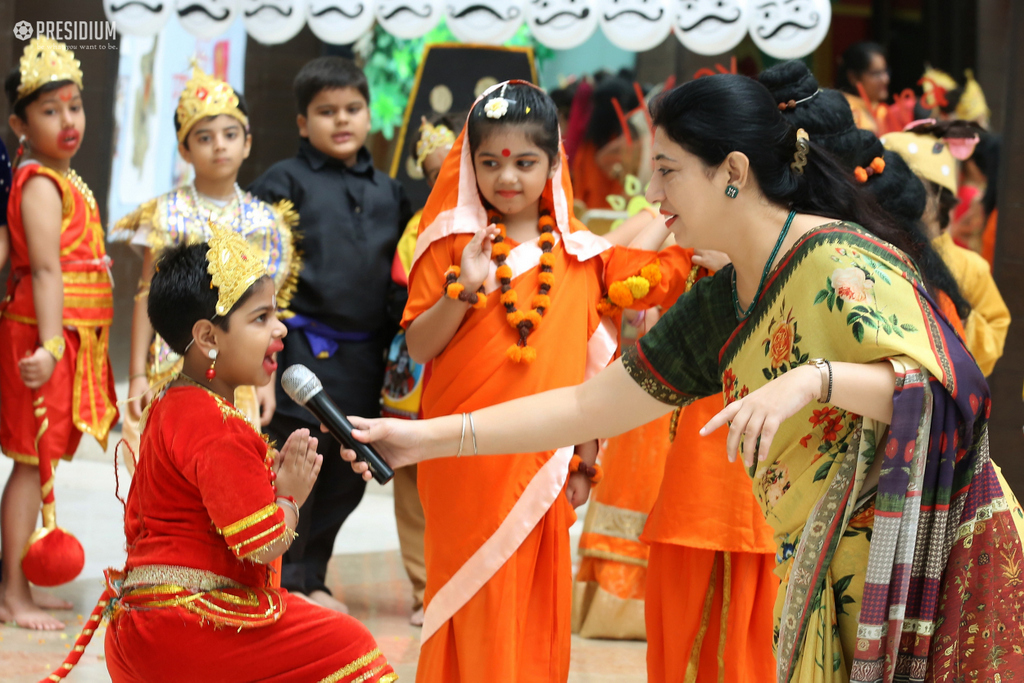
<point>350,218</point>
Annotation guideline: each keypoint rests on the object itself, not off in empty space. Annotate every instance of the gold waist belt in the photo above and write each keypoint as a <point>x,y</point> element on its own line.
<point>198,580</point>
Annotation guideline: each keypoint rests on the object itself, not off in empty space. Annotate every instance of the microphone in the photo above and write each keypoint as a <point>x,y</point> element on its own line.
<point>305,388</point>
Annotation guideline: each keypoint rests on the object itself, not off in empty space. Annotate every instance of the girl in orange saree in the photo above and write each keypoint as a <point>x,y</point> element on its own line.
<point>496,544</point>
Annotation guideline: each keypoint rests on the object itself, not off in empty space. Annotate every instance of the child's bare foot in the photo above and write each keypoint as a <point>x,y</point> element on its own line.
<point>325,599</point>
<point>47,601</point>
<point>27,614</point>
<point>417,617</point>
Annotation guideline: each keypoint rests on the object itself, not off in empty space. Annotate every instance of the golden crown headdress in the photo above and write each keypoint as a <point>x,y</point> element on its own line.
<point>233,265</point>
<point>432,138</point>
<point>205,96</point>
<point>43,61</point>
<point>973,105</point>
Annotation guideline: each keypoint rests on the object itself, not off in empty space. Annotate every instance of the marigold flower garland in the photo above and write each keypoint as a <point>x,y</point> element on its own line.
<point>525,322</point>
<point>456,290</point>
<point>623,293</point>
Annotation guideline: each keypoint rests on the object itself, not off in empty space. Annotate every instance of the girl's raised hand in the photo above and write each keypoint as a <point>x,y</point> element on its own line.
<point>759,414</point>
<point>297,465</point>
<point>476,258</point>
<point>399,442</point>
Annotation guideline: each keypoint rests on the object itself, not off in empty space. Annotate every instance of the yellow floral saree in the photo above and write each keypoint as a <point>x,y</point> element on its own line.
<point>917,578</point>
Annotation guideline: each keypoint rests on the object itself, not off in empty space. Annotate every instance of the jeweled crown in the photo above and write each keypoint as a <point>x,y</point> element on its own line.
<point>45,60</point>
<point>205,96</point>
<point>432,138</point>
<point>233,265</point>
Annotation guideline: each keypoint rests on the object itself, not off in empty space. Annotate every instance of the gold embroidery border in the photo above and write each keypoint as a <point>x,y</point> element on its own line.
<point>251,520</point>
<point>352,667</point>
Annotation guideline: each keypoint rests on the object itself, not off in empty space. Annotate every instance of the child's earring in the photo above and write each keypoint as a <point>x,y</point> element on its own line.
<point>731,191</point>
<point>21,149</point>
<point>211,372</point>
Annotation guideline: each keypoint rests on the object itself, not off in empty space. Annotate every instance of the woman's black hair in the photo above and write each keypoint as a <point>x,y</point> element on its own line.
<point>181,294</point>
<point>857,59</point>
<point>827,118</point>
<point>242,107</point>
<point>528,107</point>
<point>18,107</point>
<point>986,158</point>
<point>947,202</point>
<point>604,124</point>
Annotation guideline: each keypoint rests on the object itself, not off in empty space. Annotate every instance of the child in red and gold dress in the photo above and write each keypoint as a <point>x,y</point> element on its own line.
<point>55,374</point>
<point>211,504</point>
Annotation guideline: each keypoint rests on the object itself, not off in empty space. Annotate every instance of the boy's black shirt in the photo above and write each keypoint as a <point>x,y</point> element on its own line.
<point>350,219</point>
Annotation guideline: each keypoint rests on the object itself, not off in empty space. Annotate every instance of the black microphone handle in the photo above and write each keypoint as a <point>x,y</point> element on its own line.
<point>340,428</point>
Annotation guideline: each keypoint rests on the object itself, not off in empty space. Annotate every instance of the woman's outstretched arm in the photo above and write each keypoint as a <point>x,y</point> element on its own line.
<point>608,404</point>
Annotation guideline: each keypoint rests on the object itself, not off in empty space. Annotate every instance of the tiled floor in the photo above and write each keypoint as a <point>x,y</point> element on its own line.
<point>366,573</point>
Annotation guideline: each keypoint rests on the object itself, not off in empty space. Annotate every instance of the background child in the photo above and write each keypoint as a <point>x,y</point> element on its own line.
<point>351,218</point>
<point>211,504</point>
<point>213,136</point>
<point>404,378</point>
<point>497,542</point>
<point>55,374</point>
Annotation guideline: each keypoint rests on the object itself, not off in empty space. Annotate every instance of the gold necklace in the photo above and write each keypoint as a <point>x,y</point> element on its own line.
<point>72,177</point>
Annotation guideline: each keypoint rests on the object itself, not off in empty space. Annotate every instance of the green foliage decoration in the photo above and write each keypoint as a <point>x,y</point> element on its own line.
<point>390,65</point>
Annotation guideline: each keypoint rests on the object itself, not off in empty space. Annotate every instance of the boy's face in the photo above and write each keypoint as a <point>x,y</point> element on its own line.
<point>337,122</point>
<point>432,164</point>
<point>217,146</point>
<point>54,124</point>
<point>246,348</point>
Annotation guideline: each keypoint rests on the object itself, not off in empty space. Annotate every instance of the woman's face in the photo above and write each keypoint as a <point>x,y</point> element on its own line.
<point>875,79</point>
<point>688,193</point>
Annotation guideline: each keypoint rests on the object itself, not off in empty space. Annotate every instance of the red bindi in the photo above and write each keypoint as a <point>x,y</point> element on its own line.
<point>506,153</point>
<point>66,94</point>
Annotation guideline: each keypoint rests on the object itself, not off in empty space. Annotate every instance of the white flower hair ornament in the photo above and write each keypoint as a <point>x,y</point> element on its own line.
<point>498,106</point>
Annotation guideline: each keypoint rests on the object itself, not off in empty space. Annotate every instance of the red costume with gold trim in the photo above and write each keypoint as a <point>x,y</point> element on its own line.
<point>79,396</point>
<point>201,508</point>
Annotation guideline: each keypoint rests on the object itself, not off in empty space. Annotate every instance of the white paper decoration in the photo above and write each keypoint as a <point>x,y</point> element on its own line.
<point>138,17</point>
<point>635,25</point>
<point>561,24</point>
<point>339,22</point>
<point>408,18</point>
<point>206,19</point>
<point>273,22</point>
<point>789,30</point>
<point>484,21</point>
<point>710,27</point>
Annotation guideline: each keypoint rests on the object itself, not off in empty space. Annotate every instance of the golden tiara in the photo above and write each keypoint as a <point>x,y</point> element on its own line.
<point>432,138</point>
<point>205,96</point>
<point>43,61</point>
<point>233,266</point>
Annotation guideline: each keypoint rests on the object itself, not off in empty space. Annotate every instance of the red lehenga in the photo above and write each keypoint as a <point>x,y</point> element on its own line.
<point>192,605</point>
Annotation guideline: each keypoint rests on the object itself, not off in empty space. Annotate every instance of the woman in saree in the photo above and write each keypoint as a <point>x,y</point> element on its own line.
<point>860,415</point>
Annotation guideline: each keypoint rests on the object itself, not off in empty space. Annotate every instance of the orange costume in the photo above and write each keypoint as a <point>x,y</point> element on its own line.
<point>497,545</point>
<point>201,506</point>
<point>710,583</point>
<point>592,183</point>
<point>79,396</point>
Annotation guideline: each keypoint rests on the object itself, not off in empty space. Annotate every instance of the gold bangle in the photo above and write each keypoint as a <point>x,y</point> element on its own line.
<point>137,375</point>
<point>55,346</point>
<point>655,214</point>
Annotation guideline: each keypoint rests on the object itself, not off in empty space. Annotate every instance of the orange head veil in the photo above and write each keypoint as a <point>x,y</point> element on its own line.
<point>455,205</point>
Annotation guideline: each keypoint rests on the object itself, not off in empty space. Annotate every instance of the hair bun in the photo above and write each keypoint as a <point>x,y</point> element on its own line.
<point>790,80</point>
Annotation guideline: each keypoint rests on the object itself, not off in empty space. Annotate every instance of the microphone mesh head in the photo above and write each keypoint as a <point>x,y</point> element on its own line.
<point>300,384</point>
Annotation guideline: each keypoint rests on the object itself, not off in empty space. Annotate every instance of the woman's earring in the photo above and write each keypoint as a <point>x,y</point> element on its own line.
<point>731,191</point>
<point>211,372</point>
